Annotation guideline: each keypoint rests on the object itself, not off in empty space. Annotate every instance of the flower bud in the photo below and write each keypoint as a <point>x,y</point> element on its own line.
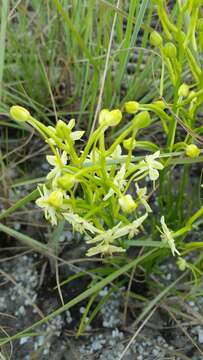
<point>160,104</point>
<point>55,199</point>
<point>129,144</point>
<point>192,151</point>
<point>103,116</point>
<point>19,113</point>
<point>170,50</point>
<point>61,129</point>
<point>71,124</point>
<point>127,203</point>
<point>131,107</point>
<point>142,120</point>
<point>116,117</point>
<point>183,90</point>
<point>155,39</point>
<point>182,264</point>
<point>67,181</point>
<point>110,118</point>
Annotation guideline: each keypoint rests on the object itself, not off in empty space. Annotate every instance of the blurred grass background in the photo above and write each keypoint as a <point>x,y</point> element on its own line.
<point>53,55</point>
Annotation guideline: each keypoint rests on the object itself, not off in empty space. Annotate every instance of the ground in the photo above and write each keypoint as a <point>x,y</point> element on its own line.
<point>27,294</point>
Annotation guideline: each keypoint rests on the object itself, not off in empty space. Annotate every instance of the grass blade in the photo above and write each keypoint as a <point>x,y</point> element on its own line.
<point>4,18</point>
<point>22,202</point>
<point>25,239</point>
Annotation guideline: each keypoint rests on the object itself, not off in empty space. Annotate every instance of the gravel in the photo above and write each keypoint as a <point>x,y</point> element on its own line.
<point>106,339</point>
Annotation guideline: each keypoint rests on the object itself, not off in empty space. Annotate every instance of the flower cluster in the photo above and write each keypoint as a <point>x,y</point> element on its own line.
<point>97,191</point>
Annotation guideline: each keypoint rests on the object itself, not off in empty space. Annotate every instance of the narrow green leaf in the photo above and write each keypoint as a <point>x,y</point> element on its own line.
<point>26,240</point>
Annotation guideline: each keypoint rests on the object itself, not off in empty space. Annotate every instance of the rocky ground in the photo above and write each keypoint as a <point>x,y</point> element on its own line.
<point>27,294</point>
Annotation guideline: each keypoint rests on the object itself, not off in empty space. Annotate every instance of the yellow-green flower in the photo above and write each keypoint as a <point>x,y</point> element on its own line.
<point>80,224</point>
<point>151,165</point>
<point>167,237</point>
<point>127,203</point>
<point>64,131</point>
<point>50,202</point>
<point>119,182</point>
<point>142,196</point>
<point>58,162</point>
<point>106,239</point>
<point>104,249</point>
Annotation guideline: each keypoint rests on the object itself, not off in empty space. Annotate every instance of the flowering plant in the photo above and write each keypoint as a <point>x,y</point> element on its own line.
<point>102,191</point>
<point>96,191</point>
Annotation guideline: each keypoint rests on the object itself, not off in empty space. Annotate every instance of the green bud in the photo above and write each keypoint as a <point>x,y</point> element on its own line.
<point>182,264</point>
<point>127,203</point>
<point>129,144</point>
<point>142,120</point>
<point>160,104</point>
<point>67,181</point>
<point>183,90</point>
<point>19,113</point>
<point>61,129</point>
<point>110,118</point>
<point>55,199</point>
<point>170,50</point>
<point>155,39</point>
<point>192,151</point>
<point>131,107</point>
<point>103,116</point>
<point>116,117</point>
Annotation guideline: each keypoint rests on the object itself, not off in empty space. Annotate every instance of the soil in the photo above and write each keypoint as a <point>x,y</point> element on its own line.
<point>27,293</point>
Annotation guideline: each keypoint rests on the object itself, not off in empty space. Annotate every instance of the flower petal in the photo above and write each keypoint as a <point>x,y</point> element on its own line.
<point>157,165</point>
<point>51,159</point>
<point>76,135</point>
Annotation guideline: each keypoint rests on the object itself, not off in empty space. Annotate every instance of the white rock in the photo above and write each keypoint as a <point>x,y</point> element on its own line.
<point>200,335</point>
<point>23,340</point>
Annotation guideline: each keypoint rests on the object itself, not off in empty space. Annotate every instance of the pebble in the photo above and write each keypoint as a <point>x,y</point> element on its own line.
<point>198,330</point>
<point>111,311</point>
